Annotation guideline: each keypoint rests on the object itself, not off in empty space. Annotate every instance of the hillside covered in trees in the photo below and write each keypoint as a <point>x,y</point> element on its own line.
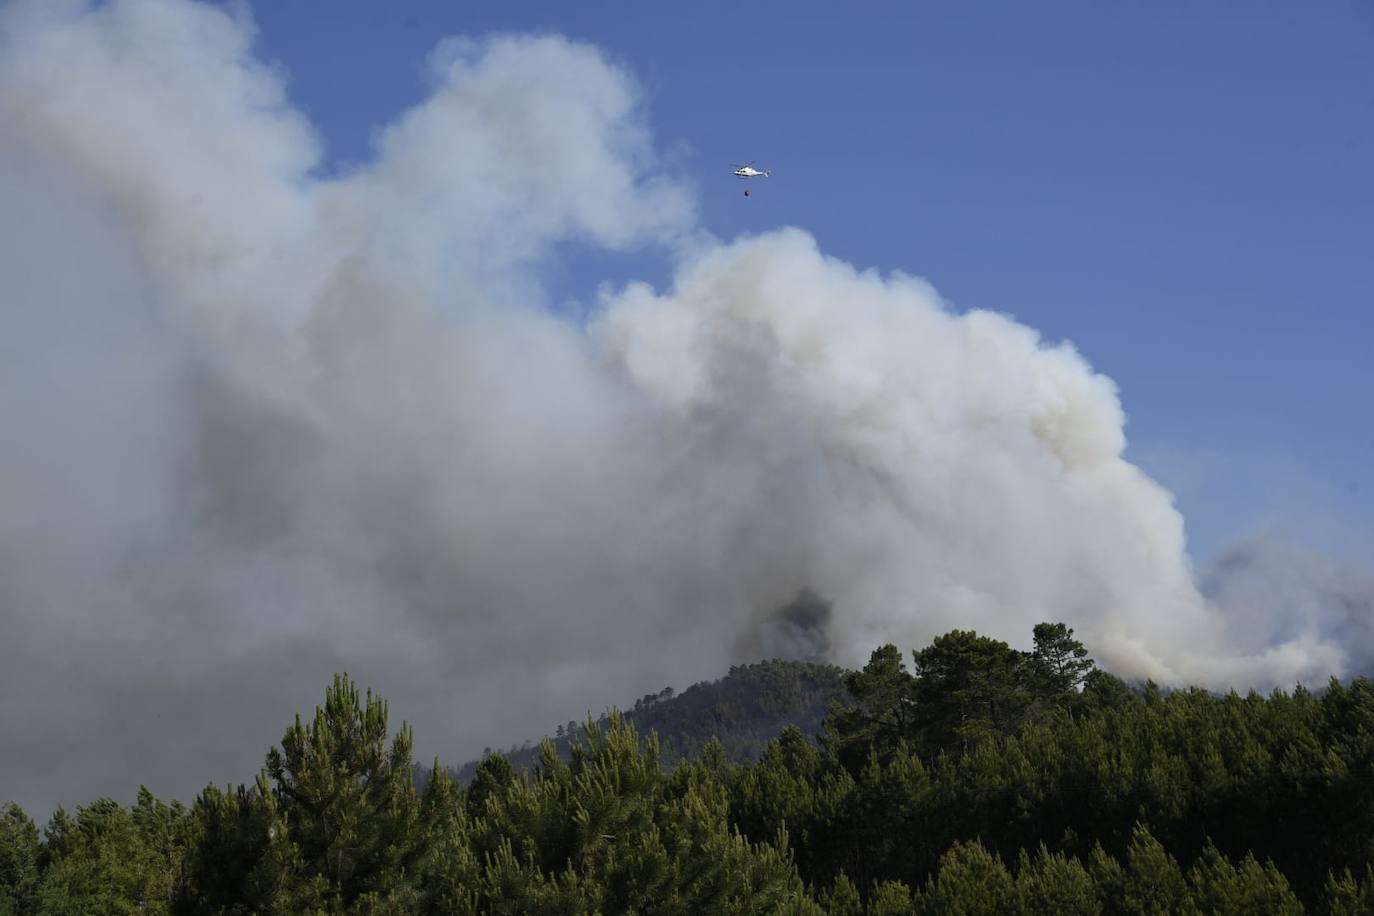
<point>979,780</point>
<point>742,711</point>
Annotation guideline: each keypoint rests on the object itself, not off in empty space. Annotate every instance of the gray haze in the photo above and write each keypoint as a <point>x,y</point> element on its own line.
<point>260,426</point>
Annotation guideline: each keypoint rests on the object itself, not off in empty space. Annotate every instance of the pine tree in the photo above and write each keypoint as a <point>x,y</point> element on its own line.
<point>1109,880</point>
<point>1221,888</point>
<point>239,858</point>
<point>347,802</point>
<point>1347,896</point>
<point>891,898</point>
<point>19,849</point>
<point>1060,662</point>
<point>1154,883</point>
<point>101,862</point>
<point>968,688</point>
<point>1053,883</point>
<point>843,899</point>
<point>882,715</point>
<point>970,882</point>
<point>494,776</point>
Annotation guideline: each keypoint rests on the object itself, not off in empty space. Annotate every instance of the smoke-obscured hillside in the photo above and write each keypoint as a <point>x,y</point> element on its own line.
<point>743,711</point>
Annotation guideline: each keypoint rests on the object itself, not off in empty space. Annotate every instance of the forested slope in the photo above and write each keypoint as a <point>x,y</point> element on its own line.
<point>982,780</point>
<point>743,711</point>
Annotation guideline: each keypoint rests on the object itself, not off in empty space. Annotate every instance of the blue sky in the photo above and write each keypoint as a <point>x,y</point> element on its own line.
<point>1185,191</point>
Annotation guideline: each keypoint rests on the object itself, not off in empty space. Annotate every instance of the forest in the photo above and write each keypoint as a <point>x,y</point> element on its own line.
<point>977,779</point>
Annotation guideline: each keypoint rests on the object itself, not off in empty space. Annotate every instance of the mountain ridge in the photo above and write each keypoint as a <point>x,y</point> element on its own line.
<point>743,709</point>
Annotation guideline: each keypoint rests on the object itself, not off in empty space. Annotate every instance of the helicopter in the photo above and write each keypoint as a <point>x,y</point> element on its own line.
<point>748,171</point>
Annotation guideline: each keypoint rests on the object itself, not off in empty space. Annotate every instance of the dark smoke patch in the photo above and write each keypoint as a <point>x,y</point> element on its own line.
<point>798,631</point>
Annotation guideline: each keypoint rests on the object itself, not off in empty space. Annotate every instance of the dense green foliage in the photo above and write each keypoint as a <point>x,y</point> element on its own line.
<point>983,780</point>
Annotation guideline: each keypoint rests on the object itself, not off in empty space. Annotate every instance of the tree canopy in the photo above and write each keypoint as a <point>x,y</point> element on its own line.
<point>981,780</point>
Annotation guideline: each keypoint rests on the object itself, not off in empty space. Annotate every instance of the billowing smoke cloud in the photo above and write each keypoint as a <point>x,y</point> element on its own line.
<point>261,425</point>
<point>1291,604</point>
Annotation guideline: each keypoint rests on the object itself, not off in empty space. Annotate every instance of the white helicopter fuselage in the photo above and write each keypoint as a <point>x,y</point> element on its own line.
<point>750,172</point>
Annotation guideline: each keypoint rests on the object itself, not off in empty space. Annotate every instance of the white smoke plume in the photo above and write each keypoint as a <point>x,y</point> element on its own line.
<point>261,425</point>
